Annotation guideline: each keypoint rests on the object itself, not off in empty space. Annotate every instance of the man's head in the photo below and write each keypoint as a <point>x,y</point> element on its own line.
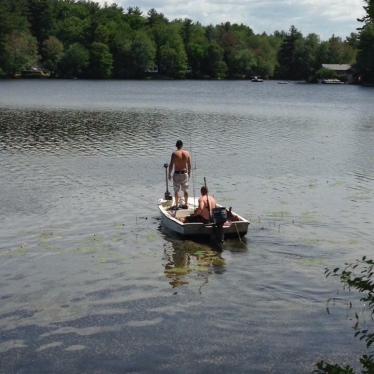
<point>203,190</point>
<point>179,144</point>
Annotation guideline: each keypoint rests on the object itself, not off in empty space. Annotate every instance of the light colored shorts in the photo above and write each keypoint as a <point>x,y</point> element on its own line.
<point>180,181</point>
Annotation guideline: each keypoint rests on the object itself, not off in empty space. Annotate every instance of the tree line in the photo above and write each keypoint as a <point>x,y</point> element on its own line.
<point>82,39</point>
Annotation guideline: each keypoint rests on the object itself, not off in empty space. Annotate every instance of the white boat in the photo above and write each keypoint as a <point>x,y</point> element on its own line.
<point>172,220</point>
<point>257,79</point>
<point>331,81</point>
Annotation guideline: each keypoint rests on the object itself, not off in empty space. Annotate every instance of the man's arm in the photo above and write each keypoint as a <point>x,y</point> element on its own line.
<point>171,165</point>
<point>189,164</point>
<point>200,208</point>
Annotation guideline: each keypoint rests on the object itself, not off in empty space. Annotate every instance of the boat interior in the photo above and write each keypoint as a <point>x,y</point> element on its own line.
<point>181,214</point>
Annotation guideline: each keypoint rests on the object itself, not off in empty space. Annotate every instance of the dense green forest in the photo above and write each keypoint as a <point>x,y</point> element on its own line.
<point>82,39</point>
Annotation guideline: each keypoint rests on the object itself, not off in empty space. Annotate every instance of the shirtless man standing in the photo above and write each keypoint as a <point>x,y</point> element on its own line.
<point>181,163</point>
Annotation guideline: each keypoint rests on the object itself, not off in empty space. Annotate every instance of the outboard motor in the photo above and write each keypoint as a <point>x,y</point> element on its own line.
<point>219,218</point>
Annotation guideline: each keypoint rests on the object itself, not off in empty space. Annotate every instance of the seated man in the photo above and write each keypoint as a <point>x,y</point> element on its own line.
<point>203,212</point>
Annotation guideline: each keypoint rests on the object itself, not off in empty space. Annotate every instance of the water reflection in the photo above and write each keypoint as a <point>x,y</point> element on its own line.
<point>186,260</point>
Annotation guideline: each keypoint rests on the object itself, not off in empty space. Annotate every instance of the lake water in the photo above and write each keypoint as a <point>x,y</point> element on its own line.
<point>90,283</point>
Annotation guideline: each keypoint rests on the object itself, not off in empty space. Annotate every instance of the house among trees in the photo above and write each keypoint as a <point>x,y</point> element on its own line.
<point>35,72</point>
<point>343,72</point>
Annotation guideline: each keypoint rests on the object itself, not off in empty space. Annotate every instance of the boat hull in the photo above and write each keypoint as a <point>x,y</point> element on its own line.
<point>170,219</point>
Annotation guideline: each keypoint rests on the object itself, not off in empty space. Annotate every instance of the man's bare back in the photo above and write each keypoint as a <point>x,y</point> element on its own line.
<point>181,160</point>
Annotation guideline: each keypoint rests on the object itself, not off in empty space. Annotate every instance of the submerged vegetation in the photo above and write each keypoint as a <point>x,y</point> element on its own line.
<point>185,260</point>
<point>81,39</point>
<point>359,277</point>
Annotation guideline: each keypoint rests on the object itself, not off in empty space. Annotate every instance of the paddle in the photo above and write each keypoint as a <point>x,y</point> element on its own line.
<point>167,195</point>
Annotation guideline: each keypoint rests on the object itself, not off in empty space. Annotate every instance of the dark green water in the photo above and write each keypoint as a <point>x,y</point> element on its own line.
<point>90,283</point>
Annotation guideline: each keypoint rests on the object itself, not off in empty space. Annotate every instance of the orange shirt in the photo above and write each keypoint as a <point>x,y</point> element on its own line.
<point>203,206</point>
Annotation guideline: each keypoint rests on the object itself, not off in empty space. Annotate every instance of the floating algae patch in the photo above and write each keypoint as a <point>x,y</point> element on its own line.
<point>353,242</point>
<point>337,184</point>
<point>107,253</point>
<point>45,236</point>
<point>47,246</point>
<point>312,262</point>
<point>21,250</point>
<point>120,234</point>
<point>95,238</point>
<point>279,214</point>
<point>308,217</point>
<point>118,238</point>
<point>312,242</point>
<point>45,239</point>
<point>117,259</point>
<point>322,243</point>
<point>151,237</point>
<point>85,250</point>
<point>50,248</point>
<point>93,244</point>
<point>312,186</point>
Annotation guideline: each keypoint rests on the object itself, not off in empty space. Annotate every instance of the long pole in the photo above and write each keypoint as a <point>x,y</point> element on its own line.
<point>217,235</point>
<point>207,199</point>
<point>193,175</point>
